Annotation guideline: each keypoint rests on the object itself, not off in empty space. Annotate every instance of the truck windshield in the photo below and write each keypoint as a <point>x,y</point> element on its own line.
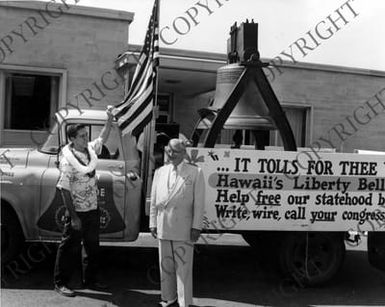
<point>51,145</point>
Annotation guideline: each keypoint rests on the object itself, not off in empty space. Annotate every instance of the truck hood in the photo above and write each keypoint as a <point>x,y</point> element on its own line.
<point>14,157</point>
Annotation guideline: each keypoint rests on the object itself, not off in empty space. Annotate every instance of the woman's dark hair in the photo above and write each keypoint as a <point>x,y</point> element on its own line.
<point>72,130</point>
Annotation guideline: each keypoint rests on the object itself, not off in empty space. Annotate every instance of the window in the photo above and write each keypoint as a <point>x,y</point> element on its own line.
<point>110,149</point>
<point>298,119</point>
<point>30,101</point>
<point>165,109</point>
<point>29,98</point>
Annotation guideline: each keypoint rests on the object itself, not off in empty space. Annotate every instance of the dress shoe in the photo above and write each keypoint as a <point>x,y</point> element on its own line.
<point>96,285</point>
<point>173,303</point>
<point>65,291</point>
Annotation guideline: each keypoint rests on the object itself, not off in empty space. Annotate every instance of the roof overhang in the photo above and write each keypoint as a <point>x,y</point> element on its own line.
<point>181,71</point>
<point>73,9</point>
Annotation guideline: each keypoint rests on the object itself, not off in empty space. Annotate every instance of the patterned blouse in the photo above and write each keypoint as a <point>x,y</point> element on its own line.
<point>83,187</point>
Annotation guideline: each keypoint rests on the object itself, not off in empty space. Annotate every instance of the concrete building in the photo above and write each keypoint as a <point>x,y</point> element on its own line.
<point>73,57</point>
<point>54,55</point>
<point>327,106</point>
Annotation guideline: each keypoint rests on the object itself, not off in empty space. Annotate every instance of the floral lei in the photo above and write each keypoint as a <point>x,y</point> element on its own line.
<point>71,157</point>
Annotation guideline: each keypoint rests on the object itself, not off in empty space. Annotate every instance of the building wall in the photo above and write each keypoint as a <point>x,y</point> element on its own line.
<point>80,46</point>
<point>338,100</point>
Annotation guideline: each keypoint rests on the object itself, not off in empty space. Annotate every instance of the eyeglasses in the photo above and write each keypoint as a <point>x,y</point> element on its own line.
<point>170,150</point>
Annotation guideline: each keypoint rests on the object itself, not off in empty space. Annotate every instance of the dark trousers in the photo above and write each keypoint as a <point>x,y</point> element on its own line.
<point>70,249</point>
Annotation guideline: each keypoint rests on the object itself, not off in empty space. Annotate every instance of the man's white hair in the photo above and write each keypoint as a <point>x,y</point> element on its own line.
<point>177,144</point>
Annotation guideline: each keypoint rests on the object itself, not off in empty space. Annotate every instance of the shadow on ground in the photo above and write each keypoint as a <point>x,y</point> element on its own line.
<point>223,276</point>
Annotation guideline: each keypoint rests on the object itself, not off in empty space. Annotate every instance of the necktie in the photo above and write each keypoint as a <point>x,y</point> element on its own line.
<point>172,178</point>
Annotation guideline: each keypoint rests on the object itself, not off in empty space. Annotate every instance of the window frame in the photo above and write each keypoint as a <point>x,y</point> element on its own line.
<point>62,74</point>
<point>308,110</point>
<point>64,139</point>
<point>166,97</point>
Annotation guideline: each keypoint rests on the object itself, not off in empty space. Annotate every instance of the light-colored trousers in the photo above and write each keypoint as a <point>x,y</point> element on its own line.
<point>176,263</point>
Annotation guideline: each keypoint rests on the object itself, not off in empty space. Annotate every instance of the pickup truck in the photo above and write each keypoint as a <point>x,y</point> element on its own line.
<point>301,215</point>
<point>30,208</point>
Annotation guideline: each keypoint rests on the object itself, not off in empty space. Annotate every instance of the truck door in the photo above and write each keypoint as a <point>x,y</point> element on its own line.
<point>119,186</point>
<point>376,249</point>
<point>111,176</point>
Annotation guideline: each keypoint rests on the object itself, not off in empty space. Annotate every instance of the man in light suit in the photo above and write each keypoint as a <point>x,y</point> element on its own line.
<point>176,217</point>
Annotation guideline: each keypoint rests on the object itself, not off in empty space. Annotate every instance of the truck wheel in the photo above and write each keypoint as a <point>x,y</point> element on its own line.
<point>266,246</point>
<point>12,237</point>
<point>311,258</point>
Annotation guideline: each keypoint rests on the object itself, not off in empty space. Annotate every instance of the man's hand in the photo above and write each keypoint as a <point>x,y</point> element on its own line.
<point>107,126</point>
<point>132,176</point>
<point>76,223</point>
<point>154,232</point>
<point>195,234</point>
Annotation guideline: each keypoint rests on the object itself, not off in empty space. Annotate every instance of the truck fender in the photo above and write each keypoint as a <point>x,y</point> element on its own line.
<point>9,202</point>
<point>12,236</point>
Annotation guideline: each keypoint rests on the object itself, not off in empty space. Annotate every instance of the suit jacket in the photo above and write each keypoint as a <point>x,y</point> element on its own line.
<point>174,212</point>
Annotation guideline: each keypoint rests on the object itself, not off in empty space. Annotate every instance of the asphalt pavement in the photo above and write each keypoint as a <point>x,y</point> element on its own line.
<point>226,274</point>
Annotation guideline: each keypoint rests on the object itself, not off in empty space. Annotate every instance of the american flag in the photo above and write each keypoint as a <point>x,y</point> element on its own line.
<point>135,111</point>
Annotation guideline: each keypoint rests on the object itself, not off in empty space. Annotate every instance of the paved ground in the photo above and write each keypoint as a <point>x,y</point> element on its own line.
<point>226,273</point>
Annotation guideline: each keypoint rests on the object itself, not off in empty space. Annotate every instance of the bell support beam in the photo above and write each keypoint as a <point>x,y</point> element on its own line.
<point>203,113</point>
<point>252,91</point>
<point>254,72</point>
<point>275,110</point>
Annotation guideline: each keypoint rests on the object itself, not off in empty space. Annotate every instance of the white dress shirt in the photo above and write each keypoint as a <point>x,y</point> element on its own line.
<point>173,174</point>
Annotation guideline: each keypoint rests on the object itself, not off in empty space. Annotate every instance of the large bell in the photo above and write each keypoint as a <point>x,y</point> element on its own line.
<point>251,111</point>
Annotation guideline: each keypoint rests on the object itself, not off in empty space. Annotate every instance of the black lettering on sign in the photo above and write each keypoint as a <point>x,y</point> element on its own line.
<point>278,166</point>
<point>322,216</point>
<point>237,197</point>
<point>226,211</point>
<point>241,164</point>
<point>264,214</point>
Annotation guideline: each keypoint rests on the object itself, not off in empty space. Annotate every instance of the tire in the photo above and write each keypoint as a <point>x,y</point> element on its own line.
<point>266,245</point>
<point>12,238</point>
<point>376,250</point>
<point>311,258</point>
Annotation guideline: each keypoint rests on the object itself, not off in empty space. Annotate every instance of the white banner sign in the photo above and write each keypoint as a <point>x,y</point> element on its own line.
<point>278,190</point>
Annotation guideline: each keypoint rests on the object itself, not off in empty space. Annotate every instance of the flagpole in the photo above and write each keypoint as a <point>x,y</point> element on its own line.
<point>149,160</point>
<point>157,67</point>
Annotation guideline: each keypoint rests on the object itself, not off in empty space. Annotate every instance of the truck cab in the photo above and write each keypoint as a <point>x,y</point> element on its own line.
<point>31,208</point>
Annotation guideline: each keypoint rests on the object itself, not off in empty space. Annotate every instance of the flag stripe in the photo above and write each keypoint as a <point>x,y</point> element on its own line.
<point>140,122</point>
<point>124,109</point>
<point>140,70</point>
<point>139,128</point>
<point>135,111</point>
<point>143,80</point>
